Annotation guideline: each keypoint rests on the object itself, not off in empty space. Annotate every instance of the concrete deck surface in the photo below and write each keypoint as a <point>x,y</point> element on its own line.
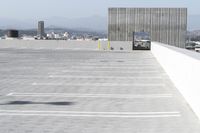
<point>68,91</point>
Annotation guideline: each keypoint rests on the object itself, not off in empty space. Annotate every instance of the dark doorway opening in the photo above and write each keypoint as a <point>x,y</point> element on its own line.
<point>141,41</point>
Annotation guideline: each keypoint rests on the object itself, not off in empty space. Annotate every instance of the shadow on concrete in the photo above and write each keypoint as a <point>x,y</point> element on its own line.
<point>120,61</point>
<point>104,61</point>
<point>30,102</point>
<point>112,61</point>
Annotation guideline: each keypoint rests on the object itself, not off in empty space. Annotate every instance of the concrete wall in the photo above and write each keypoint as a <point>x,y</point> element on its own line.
<point>183,67</point>
<point>61,44</point>
<point>49,44</point>
<point>166,25</point>
<point>117,45</point>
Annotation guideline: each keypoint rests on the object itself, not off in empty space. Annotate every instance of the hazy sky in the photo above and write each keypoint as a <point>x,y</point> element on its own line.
<point>40,9</point>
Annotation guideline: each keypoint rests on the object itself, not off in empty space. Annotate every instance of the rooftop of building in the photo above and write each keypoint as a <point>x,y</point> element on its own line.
<point>55,90</point>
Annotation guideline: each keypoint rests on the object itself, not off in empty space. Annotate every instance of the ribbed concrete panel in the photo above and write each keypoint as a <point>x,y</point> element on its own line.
<point>166,25</point>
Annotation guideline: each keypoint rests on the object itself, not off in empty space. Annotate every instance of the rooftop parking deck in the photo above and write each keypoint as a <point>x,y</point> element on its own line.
<point>73,91</point>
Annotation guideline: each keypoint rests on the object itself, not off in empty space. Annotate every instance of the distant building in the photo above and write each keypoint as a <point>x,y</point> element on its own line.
<point>13,34</point>
<point>41,34</point>
<point>28,38</point>
<point>50,35</point>
<point>95,38</point>
<point>165,25</point>
<point>197,48</point>
<point>66,35</point>
<point>53,36</point>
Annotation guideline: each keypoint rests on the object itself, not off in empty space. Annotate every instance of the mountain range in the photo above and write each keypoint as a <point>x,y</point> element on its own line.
<point>92,23</point>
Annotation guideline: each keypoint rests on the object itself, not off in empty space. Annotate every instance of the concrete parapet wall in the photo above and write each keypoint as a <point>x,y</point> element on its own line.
<point>49,44</point>
<point>61,44</point>
<point>183,67</point>
<point>117,45</point>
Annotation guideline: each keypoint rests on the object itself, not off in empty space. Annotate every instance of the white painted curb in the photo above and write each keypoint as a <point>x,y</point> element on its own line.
<point>183,68</point>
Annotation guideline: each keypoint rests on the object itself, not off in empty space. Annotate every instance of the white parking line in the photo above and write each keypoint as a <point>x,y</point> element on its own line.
<point>10,94</point>
<point>90,114</point>
<point>97,84</point>
<point>107,71</point>
<point>80,115</point>
<point>79,95</point>
<point>110,64</point>
<point>114,70</point>
<point>104,77</point>
<point>112,67</point>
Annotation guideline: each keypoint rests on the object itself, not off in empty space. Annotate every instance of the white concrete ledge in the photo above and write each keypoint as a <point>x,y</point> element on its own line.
<point>49,44</point>
<point>183,67</point>
<point>63,44</point>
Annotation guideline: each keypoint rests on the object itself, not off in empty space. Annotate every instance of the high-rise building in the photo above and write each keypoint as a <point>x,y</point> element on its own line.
<point>41,33</point>
<point>165,25</point>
